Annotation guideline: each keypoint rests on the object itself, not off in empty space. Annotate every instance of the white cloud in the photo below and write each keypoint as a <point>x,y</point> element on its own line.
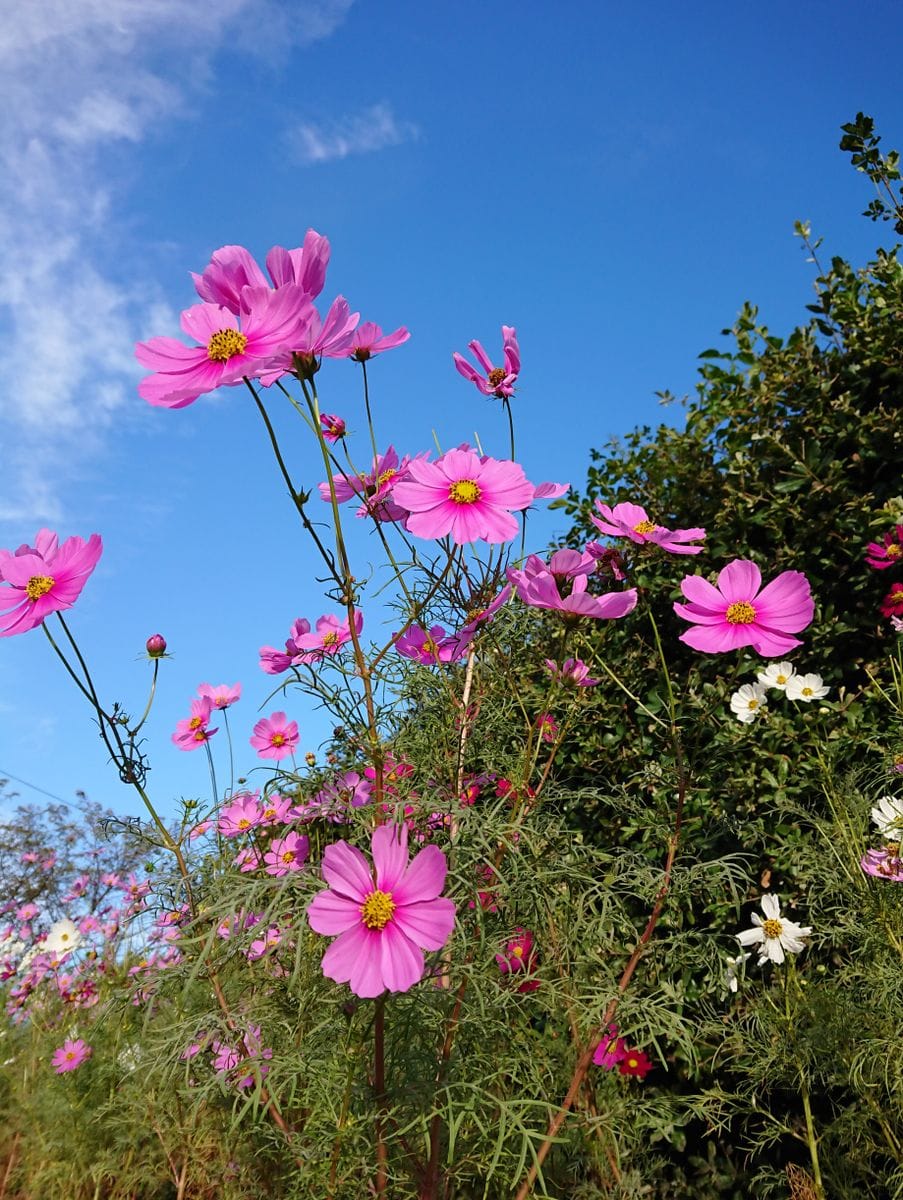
<point>78,77</point>
<point>373,129</point>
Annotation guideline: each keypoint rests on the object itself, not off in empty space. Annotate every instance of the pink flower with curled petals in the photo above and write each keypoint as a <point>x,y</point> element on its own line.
<point>496,381</point>
<point>369,339</point>
<point>274,661</point>
<point>465,496</point>
<point>287,854</point>
<point>374,487</point>
<point>884,863</point>
<point>519,958</point>
<point>572,670</point>
<point>382,917</point>
<point>740,612</point>
<point>221,696</point>
<point>632,521</point>
<point>194,731</point>
<point>561,585</point>
<point>305,266</point>
<point>611,1050</point>
<point>233,268</point>
<point>431,647</point>
<point>226,350</point>
<point>887,552</point>
<point>330,636</point>
<point>70,1055</point>
<point>317,338</point>
<point>333,427</point>
<point>275,736</point>
<point>240,815</point>
<point>44,578</point>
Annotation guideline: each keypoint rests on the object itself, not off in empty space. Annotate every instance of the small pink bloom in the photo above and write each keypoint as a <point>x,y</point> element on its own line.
<point>885,863</point>
<point>275,736</point>
<point>611,1050</point>
<point>193,732</point>
<point>635,1062</point>
<point>287,854</point>
<point>433,647</point>
<point>891,605</point>
<point>199,830</point>
<point>479,613</point>
<point>70,1055</point>
<point>333,427</point>
<point>274,662</point>
<point>465,496</point>
<point>548,728</point>
<point>319,337</point>
<point>740,612</point>
<point>887,552</point>
<point>333,801</point>
<point>632,521</point>
<point>44,578</point>
<point>573,671</point>
<point>374,487</point>
<point>383,917</point>
<point>609,560</point>
<point>155,645</point>
<point>495,381</point>
<point>221,696</point>
<point>519,957</point>
<point>561,585</point>
<point>275,810</point>
<point>260,946</point>
<point>369,339</point>
<point>248,860</point>
<point>240,815</point>
<point>330,636</point>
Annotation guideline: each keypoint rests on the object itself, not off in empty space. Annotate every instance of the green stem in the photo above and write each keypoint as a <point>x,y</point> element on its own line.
<point>150,699</point>
<point>812,1140</point>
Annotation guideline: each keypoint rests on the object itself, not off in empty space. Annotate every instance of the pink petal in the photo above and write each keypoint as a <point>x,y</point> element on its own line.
<point>424,878</point>
<point>428,923</point>
<point>739,580</point>
<point>347,871</point>
<point>390,855</point>
<point>330,914</point>
<point>401,962</point>
<point>700,591</point>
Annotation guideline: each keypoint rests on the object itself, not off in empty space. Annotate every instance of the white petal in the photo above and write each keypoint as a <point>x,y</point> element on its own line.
<point>771,906</point>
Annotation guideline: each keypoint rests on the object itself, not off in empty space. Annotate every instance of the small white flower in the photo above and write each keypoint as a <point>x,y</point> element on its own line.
<point>897,623</point>
<point>773,935</point>
<point>776,675</point>
<point>887,816</point>
<point>748,702</point>
<point>732,966</point>
<point>63,936</point>
<point>806,687</point>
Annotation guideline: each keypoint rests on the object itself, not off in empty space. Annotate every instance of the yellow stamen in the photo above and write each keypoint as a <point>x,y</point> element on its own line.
<point>38,586</point>
<point>225,344</point>
<point>496,375</point>
<point>464,491</point>
<point>330,639</point>
<point>741,612</point>
<point>772,928</point>
<point>277,739</point>
<point>377,909</point>
<point>518,951</point>
<point>430,647</point>
<point>894,551</point>
<point>195,722</point>
<point>645,527</point>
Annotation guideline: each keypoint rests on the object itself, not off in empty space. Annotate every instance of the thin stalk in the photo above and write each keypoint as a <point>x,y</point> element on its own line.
<point>812,1140</point>
<point>379,1086</point>
<point>150,699</point>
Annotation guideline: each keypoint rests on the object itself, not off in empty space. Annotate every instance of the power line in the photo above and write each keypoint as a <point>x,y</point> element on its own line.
<point>34,788</point>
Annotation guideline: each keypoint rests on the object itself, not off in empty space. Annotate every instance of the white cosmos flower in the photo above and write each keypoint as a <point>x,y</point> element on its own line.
<point>776,675</point>
<point>63,936</point>
<point>731,969</point>
<point>748,702</point>
<point>774,934</point>
<point>806,687</point>
<point>887,816</point>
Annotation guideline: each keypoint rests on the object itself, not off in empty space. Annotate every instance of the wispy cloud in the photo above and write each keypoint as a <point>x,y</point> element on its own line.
<point>361,133</point>
<point>76,79</point>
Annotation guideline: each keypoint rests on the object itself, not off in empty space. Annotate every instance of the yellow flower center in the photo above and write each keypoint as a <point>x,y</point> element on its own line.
<point>38,586</point>
<point>330,639</point>
<point>741,612</point>
<point>244,823</point>
<point>386,476</point>
<point>752,705</point>
<point>464,491</point>
<point>200,735</point>
<point>288,856</point>
<point>225,344</point>
<point>645,527</point>
<point>772,928</point>
<point>278,739</point>
<point>496,375</point>
<point>894,551</point>
<point>377,909</point>
<point>518,951</point>
<point>430,647</point>
<point>893,849</point>
<point>782,679</point>
<point>807,691</point>
<point>195,722</point>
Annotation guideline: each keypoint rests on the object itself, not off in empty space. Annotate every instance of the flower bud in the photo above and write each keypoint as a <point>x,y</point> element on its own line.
<point>155,645</point>
<point>310,758</point>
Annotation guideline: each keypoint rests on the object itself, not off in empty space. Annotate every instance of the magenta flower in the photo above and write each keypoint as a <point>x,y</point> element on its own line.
<point>305,266</point>
<point>496,381</point>
<point>430,648</point>
<point>891,605</point>
<point>221,696</point>
<point>611,1050</point>
<point>194,731</point>
<point>330,636</point>
<point>233,268</point>
<point>287,854</point>
<point>155,645</point>
<point>609,560</point>
<point>44,578</point>
<point>382,918</point>
<point>242,813</point>
<point>70,1055</point>
<point>260,946</point>
<point>572,670</point>
<point>333,427</point>
<point>369,339</point>
<point>275,736</point>
<point>632,521</point>
<point>519,957</point>
<point>887,552</point>
<point>374,487</point>
<point>560,585</point>
<point>274,661</point>
<point>275,810</point>
<point>224,353</point>
<point>479,613</point>
<point>333,801</point>
<point>317,337</point>
<point>547,727</point>
<point>737,613</point>
<point>885,863</point>
<point>462,495</point>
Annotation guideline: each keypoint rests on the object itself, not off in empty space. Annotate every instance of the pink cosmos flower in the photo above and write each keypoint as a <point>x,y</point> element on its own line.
<point>497,381</point>
<point>479,613</point>
<point>333,427</point>
<point>462,495</point>
<point>374,487</point>
<point>70,1055</point>
<point>887,552</point>
<point>369,339</point>
<point>635,1062</point>
<point>519,957</point>
<point>274,661</point>
<point>737,613</point>
<point>44,578</point>
<point>155,646</point>
<point>247,860</point>
<point>305,266</point>
<point>318,337</point>
<point>561,585</point>
<point>572,670</point>
<point>260,946</point>
<point>333,802</point>
<point>609,560</point>
<point>885,863</point>
<point>233,268</point>
<point>548,728</point>
<point>382,918</point>
<point>275,736</point>
<point>221,696</point>
<point>632,521</point>
<point>275,810</point>
<point>430,648</point>
<point>241,814</point>
<point>611,1050</point>
<point>224,353</point>
<point>193,732</point>
<point>891,605</point>
<point>330,636</point>
<point>287,854</point>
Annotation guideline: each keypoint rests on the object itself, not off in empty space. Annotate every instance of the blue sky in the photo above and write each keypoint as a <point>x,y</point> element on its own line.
<point>613,180</point>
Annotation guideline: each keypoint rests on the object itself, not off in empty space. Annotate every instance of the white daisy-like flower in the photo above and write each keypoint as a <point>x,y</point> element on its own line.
<point>748,702</point>
<point>731,969</point>
<point>63,936</point>
<point>773,935</point>
<point>887,816</point>
<point>806,687</point>
<point>776,675</point>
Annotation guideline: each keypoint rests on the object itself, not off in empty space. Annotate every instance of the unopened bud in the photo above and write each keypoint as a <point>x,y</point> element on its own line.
<point>155,645</point>
<point>310,758</point>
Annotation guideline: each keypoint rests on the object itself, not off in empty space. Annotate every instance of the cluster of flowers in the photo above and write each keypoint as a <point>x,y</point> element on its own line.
<point>885,862</point>
<point>613,1053</point>
<point>888,552</point>
<point>751,700</point>
<point>245,1060</point>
